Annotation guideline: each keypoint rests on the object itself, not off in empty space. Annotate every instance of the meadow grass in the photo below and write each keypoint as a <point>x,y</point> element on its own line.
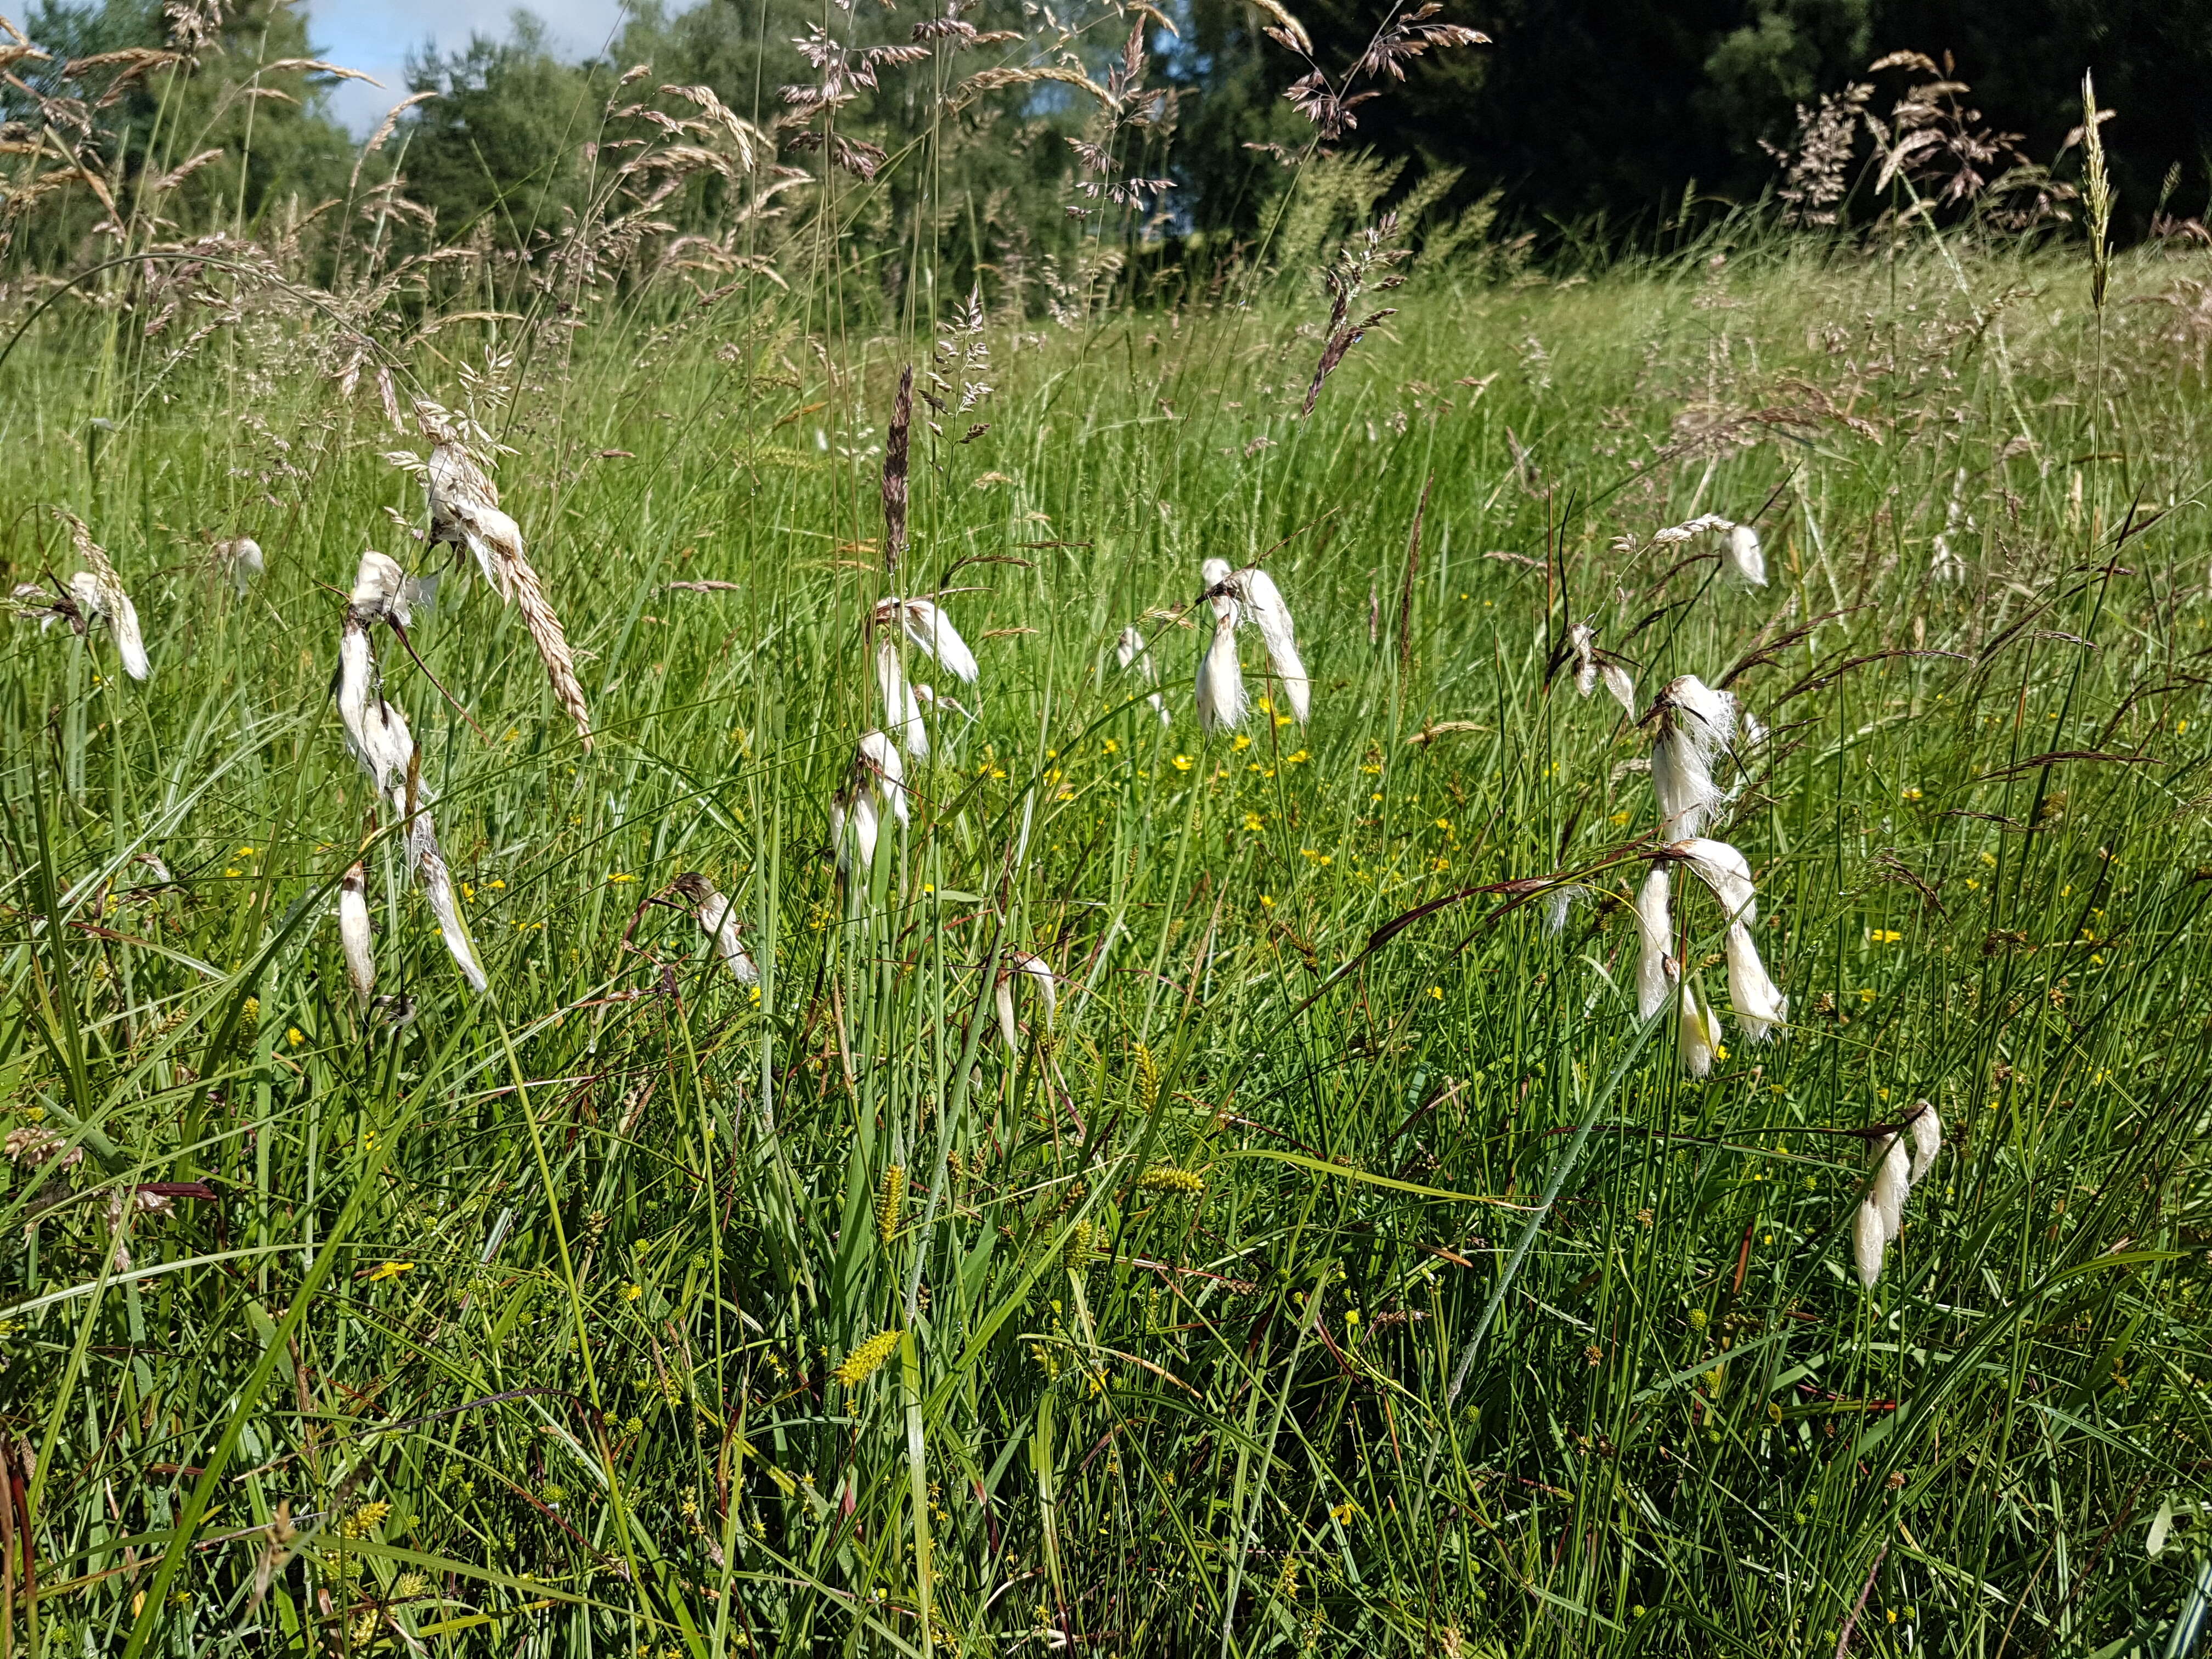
<point>1343,1267</point>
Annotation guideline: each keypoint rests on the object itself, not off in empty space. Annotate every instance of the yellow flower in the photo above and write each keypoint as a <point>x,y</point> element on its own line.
<point>1883,935</point>
<point>1112,745</point>
<point>501,885</point>
<point>232,871</point>
<point>1345,1513</point>
<point>1912,794</point>
<point>1182,762</point>
<point>389,1270</point>
<point>1443,824</point>
<point>1438,992</point>
<point>1298,759</point>
<point>858,1366</point>
<point>1242,741</point>
<point>468,892</point>
<point>1252,823</point>
<point>631,1293</point>
<point>295,1036</point>
<point>243,852</point>
<point>1619,817</point>
<point>620,875</point>
<point>513,732</point>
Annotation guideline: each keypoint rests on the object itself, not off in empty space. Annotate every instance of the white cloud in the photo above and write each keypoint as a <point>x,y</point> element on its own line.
<point>375,36</point>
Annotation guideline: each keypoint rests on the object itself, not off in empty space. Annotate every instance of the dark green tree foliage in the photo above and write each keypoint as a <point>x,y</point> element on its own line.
<point>500,146</point>
<point>278,148</point>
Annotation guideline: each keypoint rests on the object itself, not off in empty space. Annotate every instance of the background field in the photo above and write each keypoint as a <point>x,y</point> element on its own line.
<point>1475,1327</point>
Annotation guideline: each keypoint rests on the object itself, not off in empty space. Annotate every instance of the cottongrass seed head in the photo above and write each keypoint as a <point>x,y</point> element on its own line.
<point>1655,935</point>
<point>1697,724</point>
<point>718,918</point>
<point>1745,561</point>
<point>1264,609</point>
<point>1758,1003</point>
<point>1220,675</point>
<point>98,591</point>
<point>354,935</point>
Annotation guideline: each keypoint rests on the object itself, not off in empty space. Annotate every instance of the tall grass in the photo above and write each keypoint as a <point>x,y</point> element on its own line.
<point>1343,1267</point>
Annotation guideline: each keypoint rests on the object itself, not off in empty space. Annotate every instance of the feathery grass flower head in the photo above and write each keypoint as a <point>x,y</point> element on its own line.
<point>1700,525</point>
<point>865,1361</point>
<point>1893,1180</point>
<point>464,512</point>
<point>99,593</point>
<point>902,707</point>
<point>932,633</point>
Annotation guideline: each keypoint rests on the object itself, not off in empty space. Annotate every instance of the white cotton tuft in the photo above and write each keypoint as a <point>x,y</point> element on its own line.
<point>932,631</point>
<point>1582,640</point>
<point>853,829</point>
<point>1265,608</point>
<point>1700,1032</point>
<point>1696,724</point>
<point>437,885</point>
<point>876,762</point>
<point>1655,931</point>
<point>718,920</point>
<point>1022,963</point>
<point>1758,1004</point>
<point>1747,560</point>
<point>1220,677</point>
<point>242,561</point>
<point>1867,1240</point>
<point>354,936</point>
<point>1927,1141</point>
<point>380,589</point>
<point>1618,681</point>
<point>901,707</point>
<point>1891,1182</point>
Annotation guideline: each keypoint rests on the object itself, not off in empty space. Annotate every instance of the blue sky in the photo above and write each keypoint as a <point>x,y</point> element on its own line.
<point>376,36</point>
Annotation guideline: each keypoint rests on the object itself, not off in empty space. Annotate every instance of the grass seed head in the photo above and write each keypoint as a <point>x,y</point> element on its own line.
<point>354,936</point>
<point>1867,1242</point>
<point>891,1204</point>
<point>1747,561</point>
<point>98,592</point>
<point>1927,1141</point>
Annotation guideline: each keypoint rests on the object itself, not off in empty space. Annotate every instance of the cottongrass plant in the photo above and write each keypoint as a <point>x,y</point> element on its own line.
<point>1880,1214</point>
<point>1040,974</point>
<point>464,512</point>
<point>875,784</point>
<point>1594,665</point>
<point>1760,1006</point>
<point>239,561</point>
<point>1220,675</point>
<point>718,918</point>
<point>99,593</point>
<point>930,631</point>
<point>1697,725</point>
<point>378,735</point>
<point>1131,651</point>
<point>354,938</point>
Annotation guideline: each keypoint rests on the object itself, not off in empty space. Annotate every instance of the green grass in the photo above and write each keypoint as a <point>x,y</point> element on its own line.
<point>517,1324</point>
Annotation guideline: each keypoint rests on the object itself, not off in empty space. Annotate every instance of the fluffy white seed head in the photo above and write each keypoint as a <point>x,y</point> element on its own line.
<point>1700,1032</point>
<point>1696,724</point>
<point>240,559</point>
<point>354,936</point>
<point>1868,1241</point>
<point>876,763</point>
<point>1927,1141</point>
<point>718,918</point>
<point>1747,560</point>
<point>1622,683</point>
<point>901,707</point>
<point>1892,1180</point>
<point>437,884</point>
<point>1021,964</point>
<point>99,592</point>
<point>1655,933</point>
<point>380,589</point>
<point>933,632</point>
<point>1220,675</point>
<point>1265,608</point>
<point>1582,640</point>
